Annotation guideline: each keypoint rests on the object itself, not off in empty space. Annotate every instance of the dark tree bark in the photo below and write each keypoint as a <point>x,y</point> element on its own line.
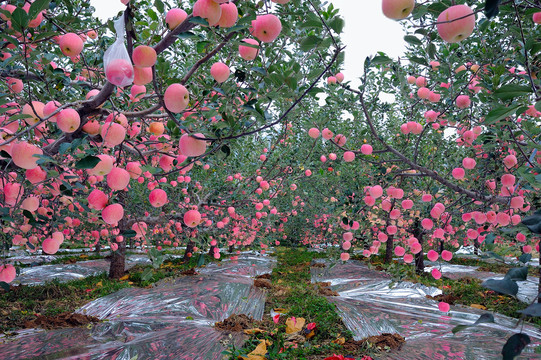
<point>476,246</point>
<point>389,250</point>
<point>189,250</point>
<point>539,285</point>
<point>211,250</point>
<point>118,257</point>
<point>118,261</point>
<point>419,257</point>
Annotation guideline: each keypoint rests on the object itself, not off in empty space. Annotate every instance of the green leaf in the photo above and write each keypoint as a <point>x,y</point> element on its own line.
<point>159,5</point>
<point>511,91</point>
<point>533,222</point>
<point>413,40</point>
<point>505,286</point>
<point>27,214</point>
<point>291,82</point>
<point>147,274</point>
<point>36,7</point>
<point>19,19</point>
<point>337,24</point>
<point>260,70</point>
<point>517,274</point>
<point>490,238</point>
<point>129,233</point>
<point>5,154</point>
<point>152,14</point>
<point>226,150</point>
<point>309,43</point>
<point>431,50</point>
<point>237,28</point>
<point>500,113</point>
<point>381,60</point>
<point>69,5</point>
<point>201,260</point>
<point>88,162</point>
<point>524,258</point>
<point>199,20</point>
<point>514,346</point>
<point>418,60</point>
<point>4,285</point>
<point>532,310</point>
<point>188,35</point>
<point>484,318</point>
<point>538,106</point>
<point>492,8</point>
<point>202,46</point>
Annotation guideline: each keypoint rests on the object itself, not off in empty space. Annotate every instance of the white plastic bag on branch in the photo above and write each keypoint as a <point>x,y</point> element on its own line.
<point>116,61</point>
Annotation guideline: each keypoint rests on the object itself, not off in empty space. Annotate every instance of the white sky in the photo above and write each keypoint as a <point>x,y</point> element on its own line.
<point>366,32</point>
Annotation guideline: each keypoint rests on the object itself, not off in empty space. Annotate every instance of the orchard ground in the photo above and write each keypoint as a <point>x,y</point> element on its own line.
<point>200,124</point>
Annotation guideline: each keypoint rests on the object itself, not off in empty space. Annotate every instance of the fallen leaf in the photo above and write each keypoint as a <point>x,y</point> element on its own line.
<point>259,352</point>
<point>100,284</point>
<point>125,277</point>
<point>294,325</point>
<point>339,341</point>
<point>254,331</point>
<point>477,306</point>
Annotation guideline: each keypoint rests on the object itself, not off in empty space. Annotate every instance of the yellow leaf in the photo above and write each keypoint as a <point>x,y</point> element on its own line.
<point>259,352</point>
<point>339,341</point>
<point>279,281</point>
<point>253,331</point>
<point>280,310</point>
<point>100,284</point>
<point>477,306</point>
<point>125,277</point>
<point>294,325</point>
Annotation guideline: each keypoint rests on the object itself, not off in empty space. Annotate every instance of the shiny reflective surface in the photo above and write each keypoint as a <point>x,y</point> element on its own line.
<point>172,320</point>
<point>369,307</point>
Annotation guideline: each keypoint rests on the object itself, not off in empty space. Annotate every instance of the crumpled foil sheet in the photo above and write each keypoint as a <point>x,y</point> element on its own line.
<point>527,290</point>
<point>172,320</point>
<point>65,272</point>
<point>369,307</point>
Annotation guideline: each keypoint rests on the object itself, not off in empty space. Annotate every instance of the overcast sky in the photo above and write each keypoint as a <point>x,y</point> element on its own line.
<point>367,30</point>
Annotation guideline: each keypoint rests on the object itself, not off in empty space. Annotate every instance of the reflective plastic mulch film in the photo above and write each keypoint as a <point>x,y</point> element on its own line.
<point>65,272</point>
<point>527,290</point>
<point>369,307</point>
<point>172,320</point>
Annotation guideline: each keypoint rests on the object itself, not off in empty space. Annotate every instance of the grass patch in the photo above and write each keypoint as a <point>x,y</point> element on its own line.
<point>22,303</point>
<point>292,290</point>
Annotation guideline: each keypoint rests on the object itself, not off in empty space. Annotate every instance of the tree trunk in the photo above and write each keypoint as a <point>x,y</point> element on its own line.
<point>539,286</point>
<point>231,248</point>
<point>476,246</point>
<point>211,250</point>
<point>118,257</point>
<point>419,257</point>
<point>441,246</point>
<point>189,250</point>
<point>118,261</point>
<point>389,250</point>
<point>98,247</point>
